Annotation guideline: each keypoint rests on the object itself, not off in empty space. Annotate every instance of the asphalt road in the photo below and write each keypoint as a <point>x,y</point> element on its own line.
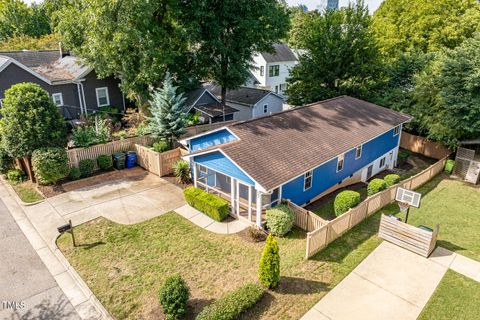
<point>27,289</point>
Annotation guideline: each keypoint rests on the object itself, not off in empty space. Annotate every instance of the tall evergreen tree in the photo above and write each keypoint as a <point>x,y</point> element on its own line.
<point>269,268</point>
<point>168,120</point>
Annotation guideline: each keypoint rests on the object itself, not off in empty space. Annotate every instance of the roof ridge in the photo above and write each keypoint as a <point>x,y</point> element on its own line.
<point>15,51</point>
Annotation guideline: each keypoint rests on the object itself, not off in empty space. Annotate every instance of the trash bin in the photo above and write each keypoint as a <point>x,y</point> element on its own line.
<point>119,160</point>
<point>131,160</point>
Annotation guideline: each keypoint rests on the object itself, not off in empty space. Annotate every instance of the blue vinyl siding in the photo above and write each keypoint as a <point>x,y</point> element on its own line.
<point>210,140</point>
<point>218,162</point>
<point>326,175</point>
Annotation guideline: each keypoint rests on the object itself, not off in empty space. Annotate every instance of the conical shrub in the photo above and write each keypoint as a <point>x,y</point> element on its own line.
<point>269,269</point>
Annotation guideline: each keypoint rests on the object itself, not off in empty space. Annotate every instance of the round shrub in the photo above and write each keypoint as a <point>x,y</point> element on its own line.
<point>449,166</point>
<point>86,167</point>
<point>392,179</point>
<point>105,162</point>
<point>280,220</point>
<point>160,146</point>
<point>15,175</point>
<point>345,200</point>
<point>6,162</point>
<point>173,297</point>
<point>75,174</point>
<point>269,268</point>
<point>50,164</point>
<point>375,186</point>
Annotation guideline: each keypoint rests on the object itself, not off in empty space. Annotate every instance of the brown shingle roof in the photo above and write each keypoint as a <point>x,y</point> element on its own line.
<point>280,147</point>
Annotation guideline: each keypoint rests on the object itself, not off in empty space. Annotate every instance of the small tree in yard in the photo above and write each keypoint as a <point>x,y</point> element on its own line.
<point>173,297</point>
<point>168,118</point>
<point>269,269</point>
<point>30,120</point>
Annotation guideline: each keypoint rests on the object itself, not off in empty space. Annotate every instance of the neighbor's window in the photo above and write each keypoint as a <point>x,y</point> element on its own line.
<point>283,87</point>
<point>262,70</point>
<point>307,184</point>
<point>265,108</point>
<point>340,162</point>
<point>396,130</point>
<point>102,97</point>
<point>358,152</point>
<point>382,162</point>
<point>274,71</point>
<point>57,99</point>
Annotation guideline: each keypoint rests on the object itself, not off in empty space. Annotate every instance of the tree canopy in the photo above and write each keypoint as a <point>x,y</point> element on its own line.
<point>424,25</point>
<point>17,19</point>
<point>340,53</point>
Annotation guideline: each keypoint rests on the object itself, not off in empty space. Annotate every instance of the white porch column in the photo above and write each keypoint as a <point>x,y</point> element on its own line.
<point>259,209</point>
<point>232,195</point>
<point>249,203</point>
<point>195,175</point>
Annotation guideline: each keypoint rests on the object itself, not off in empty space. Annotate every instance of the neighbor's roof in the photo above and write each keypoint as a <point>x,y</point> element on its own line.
<point>215,109</point>
<point>281,52</point>
<point>64,69</point>
<point>277,148</point>
<point>33,58</point>
<point>243,95</point>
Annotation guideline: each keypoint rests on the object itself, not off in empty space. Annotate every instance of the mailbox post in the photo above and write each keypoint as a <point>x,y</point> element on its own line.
<point>68,227</point>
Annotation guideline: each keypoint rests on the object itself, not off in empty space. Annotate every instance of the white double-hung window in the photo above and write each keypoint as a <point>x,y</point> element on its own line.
<point>307,183</point>
<point>340,160</point>
<point>358,152</point>
<point>102,97</point>
<point>57,99</point>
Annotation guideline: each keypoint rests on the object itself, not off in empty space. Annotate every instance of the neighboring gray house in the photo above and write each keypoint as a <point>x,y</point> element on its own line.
<point>250,102</point>
<point>210,108</point>
<point>73,86</point>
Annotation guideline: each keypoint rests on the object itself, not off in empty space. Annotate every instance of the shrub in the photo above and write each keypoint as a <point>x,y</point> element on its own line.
<point>6,162</point>
<point>231,305</point>
<point>160,146</point>
<point>173,297</point>
<point>345,200</point>
<point>375,186</point>
<point>86,167</point>
<point>280,220</point>
<point>181,169</point>
<point>392,179</point>
<point>403,155</point>
<point>15,175</point>
<point>449,166</point>
<point>84,136</point>
<point>105,162</point>
<point>269,268</point>
<point>75,174</point>
<point>212,205</point>
<point>50,164</point>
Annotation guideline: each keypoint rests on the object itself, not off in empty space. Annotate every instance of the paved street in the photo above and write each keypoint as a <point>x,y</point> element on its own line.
<point>24,279</point>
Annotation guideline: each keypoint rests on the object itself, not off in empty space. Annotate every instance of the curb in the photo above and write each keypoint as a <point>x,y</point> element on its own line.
<point>15,195</point>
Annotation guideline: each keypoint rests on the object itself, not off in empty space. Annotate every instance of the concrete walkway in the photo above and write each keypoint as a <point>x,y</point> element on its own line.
<point>461,264</point>
<point>391,283</point>
<point>207,223</point>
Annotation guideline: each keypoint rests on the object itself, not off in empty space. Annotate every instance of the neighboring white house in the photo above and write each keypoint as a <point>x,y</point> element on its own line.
<point>250,102</point>
<point>271,70</point>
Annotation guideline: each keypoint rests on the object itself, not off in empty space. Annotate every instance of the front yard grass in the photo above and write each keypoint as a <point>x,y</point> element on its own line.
<point>453,204</point>
<point>456,297</point>
<point>27,192</point>
<point>125,265</point>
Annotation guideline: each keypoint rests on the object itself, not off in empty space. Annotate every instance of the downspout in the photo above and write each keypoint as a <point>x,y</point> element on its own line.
<point>79,96</point>
<point>83,96</point>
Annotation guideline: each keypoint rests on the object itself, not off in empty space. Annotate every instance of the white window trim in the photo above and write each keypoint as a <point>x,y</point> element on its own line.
<point>384,159</point>
<point>361,151</point>
<point>262,71</point>
<point>202,169</point>
<point>395,129</point>
<point>310,173</point>
<point>107,96</point>
<point>341,158</point>
<point>265,110</point>
<point>58,94</point>
<point>273,67</point>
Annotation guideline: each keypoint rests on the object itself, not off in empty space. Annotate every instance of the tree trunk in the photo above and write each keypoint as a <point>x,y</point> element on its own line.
<point>28,168</point>
<point>224,100</point>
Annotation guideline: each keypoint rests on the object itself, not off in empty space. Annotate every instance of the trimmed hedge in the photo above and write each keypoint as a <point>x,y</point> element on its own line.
<point>86,167</point>
<point>280,220</point>
<point>173,296</point>
<point>345,200</point>
<point>75,174</point>
<point>375,186</point>
<point>50,164</point>
<point>212,205</point>
<point>449,166</point>
<point>231,305</point>
<point>105,162</point>
<point>392,179</point>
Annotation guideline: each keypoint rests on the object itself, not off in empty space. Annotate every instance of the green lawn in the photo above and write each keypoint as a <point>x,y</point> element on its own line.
<point>454,205</point>
<point>125,265</point>
<point>27,192</point>
<point>456,297</point>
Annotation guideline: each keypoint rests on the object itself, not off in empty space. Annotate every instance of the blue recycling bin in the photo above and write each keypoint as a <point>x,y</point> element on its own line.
<point>131,160</point>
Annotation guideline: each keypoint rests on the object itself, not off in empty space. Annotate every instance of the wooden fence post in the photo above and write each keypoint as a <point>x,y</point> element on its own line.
<point>307,253</point>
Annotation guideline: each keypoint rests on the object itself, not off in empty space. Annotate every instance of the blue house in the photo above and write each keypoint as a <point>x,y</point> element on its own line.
<point>300,154</point>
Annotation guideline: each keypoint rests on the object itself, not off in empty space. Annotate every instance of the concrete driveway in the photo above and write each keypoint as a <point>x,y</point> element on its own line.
<point>391,283</point>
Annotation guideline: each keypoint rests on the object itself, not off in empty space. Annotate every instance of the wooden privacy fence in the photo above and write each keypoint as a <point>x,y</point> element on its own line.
<point>304,219</point>
<point>423,146</point>
<point>157,163</point>
<point>331,230</point>
<point>77,154</point>
<point>412,238</point>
